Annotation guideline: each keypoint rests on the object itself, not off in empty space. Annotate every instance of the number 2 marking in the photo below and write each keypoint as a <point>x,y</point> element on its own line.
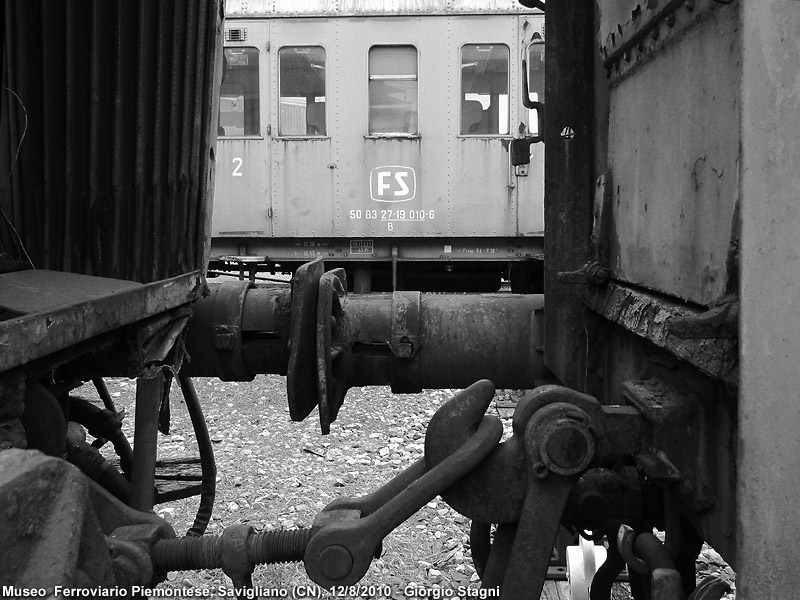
<point>238,166</point>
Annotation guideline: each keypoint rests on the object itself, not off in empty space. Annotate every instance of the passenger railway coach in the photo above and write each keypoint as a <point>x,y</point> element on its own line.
<point>377,134</point>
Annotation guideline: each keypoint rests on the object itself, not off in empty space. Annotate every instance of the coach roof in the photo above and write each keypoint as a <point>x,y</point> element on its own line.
<point>345,8</point>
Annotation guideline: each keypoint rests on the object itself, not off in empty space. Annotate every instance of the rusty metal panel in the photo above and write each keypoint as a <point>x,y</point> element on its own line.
<point>290,8</point>
<point>109,123</point>
<point>674,211</point>
<point>769,411</point>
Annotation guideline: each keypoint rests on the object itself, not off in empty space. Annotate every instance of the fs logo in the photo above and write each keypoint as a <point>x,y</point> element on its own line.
<point>392,184</point>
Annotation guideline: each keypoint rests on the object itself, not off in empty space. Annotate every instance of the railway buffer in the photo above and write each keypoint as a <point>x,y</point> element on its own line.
<point>327,342</point>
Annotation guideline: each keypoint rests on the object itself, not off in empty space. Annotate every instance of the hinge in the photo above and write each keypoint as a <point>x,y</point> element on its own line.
<point>266,46</point>
<point>269,212</point>
<point>269,129</point>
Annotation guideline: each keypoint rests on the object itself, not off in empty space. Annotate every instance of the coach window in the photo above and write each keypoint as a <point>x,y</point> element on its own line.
<point>302,91</point>
<point>238,97</point>
<point>484,89</point>
<point>393,90</point>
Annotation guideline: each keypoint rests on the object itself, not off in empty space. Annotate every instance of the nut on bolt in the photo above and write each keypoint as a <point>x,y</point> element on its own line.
<point>567,445</point>
<point>405,349</point>
<point>223,337</point>
<point>236,563</point>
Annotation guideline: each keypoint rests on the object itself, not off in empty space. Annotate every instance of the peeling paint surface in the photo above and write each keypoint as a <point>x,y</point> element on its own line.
<point>648,317</point>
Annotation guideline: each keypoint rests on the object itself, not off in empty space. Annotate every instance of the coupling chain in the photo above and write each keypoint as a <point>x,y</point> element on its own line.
<point>350,531</point>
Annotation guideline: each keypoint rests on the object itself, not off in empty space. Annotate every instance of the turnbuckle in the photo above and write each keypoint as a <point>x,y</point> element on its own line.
<point>350,531</point>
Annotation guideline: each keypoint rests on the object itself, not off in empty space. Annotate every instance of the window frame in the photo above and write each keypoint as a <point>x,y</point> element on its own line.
<point>299,136</point>
<point>461,94</point>
<point>393,134</point>
<point>259,111</point>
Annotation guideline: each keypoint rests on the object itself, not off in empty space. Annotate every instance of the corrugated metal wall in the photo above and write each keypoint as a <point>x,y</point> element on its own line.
<point>109,111</point>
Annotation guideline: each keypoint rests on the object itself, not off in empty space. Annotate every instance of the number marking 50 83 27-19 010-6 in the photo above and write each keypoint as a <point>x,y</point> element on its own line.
<point>238,162</point>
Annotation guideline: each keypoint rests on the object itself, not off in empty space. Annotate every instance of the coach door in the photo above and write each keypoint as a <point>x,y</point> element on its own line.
<point>303,170</point>
<point>483,199</point>
<point>243,188</point>
<point>529,179</point>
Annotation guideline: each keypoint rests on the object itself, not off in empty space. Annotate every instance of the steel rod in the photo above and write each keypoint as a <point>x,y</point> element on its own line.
<point>145,441</point>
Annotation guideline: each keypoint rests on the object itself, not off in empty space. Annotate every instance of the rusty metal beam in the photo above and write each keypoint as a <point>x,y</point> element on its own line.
<point>569,184</point>
<point>648,316</point>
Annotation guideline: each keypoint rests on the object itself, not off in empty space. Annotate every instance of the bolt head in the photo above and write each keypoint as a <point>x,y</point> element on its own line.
<point>335,562</point>
<point>568,448</point>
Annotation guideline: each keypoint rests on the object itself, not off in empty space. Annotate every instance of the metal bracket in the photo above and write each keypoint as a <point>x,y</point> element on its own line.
<point>672,406</point>
<point>719,322</point>
<point>596,270</point>
<point>227,331</point>
<point>405,341</point>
